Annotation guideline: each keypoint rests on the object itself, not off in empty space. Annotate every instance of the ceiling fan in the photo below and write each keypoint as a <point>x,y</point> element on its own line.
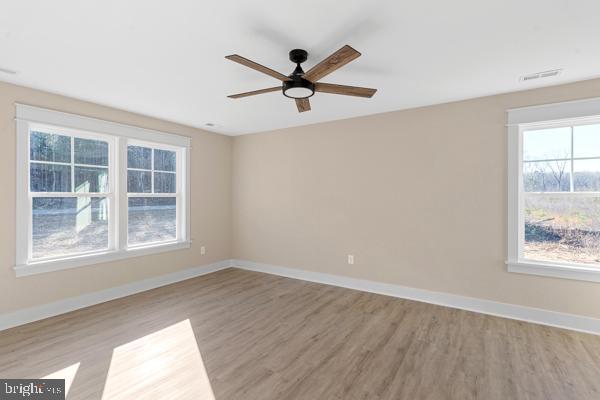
<point>300,85</point>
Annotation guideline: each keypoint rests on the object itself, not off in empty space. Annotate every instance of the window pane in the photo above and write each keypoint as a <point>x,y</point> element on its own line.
<point>91,152</point>
<point>139,157</point>
<point>586,141</point>
<point>50,177</point>
<point>164,160</point>
<point>139,181</point>
<point>68,225</point>
<point>49,147</point>
<point>586,176</point>
<point>152,219</point>
<point>547,144</point>
<point>552,176</point>
<point>164,182</point>
<point>562,229</point>
<point>89,179</point>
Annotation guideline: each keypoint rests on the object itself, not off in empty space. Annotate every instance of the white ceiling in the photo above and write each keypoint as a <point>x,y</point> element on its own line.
<point>166,59</point>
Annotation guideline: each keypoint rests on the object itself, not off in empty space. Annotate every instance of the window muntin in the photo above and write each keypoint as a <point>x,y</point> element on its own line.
<point>560,195</point>
<point>64,170</point>
<point>152,193</point>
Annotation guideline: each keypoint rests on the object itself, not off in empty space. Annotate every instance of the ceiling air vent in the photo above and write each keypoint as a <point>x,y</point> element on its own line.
<point>538,75</point>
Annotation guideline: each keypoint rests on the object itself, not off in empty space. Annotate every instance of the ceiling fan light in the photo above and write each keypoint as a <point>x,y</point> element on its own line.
<point>298,88</point>
<point>298,92</point>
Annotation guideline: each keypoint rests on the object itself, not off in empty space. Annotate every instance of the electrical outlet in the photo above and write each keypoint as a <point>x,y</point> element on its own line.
<point>350,259</point>
<point>202,250</point>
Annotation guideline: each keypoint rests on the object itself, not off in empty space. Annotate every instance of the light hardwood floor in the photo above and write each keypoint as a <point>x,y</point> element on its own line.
<point>236,334</point>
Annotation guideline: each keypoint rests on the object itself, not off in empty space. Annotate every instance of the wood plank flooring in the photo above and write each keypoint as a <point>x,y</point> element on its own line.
<point>237,334</point>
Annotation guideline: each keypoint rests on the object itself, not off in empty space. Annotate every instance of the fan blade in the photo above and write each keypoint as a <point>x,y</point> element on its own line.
<point>303,105</point>
<point>337,60</point>
<point>257,67</point>
<point>255,92</point>
<point>344,90</point>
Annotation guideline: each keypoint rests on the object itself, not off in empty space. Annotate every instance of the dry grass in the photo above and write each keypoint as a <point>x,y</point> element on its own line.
<point>549,251</point>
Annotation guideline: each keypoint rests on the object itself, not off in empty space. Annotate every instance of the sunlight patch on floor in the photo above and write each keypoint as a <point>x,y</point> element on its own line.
<point>68,374</point>
<point>162,365</point>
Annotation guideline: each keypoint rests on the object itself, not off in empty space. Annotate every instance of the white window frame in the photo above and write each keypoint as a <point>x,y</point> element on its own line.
<point>572,113</point>
<point>119,136</point>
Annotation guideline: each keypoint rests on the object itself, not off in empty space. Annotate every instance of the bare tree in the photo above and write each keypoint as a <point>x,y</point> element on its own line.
<point>534,176</point>
<point>557,168</point>
<point>558,171</point>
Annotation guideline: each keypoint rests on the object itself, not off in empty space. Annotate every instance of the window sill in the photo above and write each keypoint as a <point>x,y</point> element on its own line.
<point>565,271</point>
<point>40,267</point>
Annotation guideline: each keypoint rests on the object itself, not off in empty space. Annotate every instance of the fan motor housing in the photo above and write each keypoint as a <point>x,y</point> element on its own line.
<point>298,87</point>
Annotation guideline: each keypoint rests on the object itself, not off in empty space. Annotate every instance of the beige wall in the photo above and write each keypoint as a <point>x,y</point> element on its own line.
<point>210,214</point>
<point>418,196</point>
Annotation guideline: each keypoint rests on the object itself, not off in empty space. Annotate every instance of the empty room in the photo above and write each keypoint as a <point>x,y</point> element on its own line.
<point>317,200</point>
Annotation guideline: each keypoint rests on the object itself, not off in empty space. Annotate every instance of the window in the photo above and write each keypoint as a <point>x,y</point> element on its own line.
<point>561,194</point>
<point>70,193</point>
<point>554,191</point>
<point>91,191</point>
<point>152,195</point>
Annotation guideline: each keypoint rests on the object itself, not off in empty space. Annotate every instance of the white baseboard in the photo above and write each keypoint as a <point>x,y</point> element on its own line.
<point>512,311</point>
<point>528,314</point>
<point>25,316</point>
